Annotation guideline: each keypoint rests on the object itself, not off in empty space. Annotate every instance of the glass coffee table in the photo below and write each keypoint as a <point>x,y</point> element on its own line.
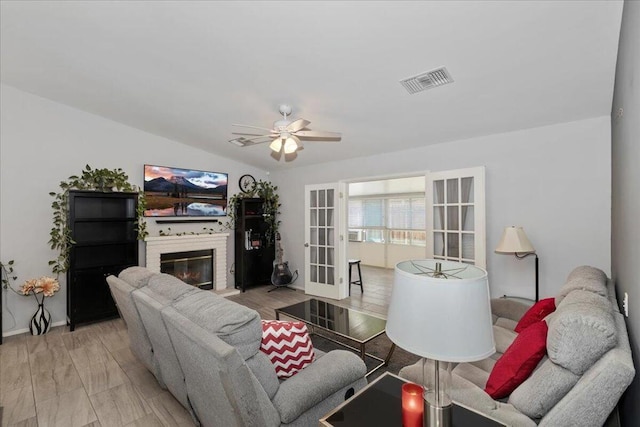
<point>355,326</point>
<point>380,404</point>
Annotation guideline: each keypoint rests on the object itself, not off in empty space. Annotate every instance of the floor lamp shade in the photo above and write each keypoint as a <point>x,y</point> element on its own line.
<point>443,316</point>
<point>514,240</point>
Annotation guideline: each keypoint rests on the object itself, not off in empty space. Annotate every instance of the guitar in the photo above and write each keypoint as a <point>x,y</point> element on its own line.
<point>281,275</point>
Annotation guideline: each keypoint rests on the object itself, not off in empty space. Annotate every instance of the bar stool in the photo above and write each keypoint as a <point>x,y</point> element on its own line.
<point>355,262</point>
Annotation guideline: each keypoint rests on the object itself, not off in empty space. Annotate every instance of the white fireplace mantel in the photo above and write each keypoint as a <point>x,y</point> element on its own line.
<point>156,246</point>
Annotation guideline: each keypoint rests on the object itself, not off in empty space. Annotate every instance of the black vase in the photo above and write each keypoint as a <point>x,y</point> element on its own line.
<point>41,321</point>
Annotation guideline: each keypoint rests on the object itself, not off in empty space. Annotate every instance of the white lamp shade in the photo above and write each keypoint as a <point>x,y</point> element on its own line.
<point>441,319</point>
<point>514,240</point>
<point>276,145</point>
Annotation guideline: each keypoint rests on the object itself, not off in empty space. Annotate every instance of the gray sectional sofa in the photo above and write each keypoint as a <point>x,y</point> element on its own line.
<point>578,383</point>
<point>205,350</point>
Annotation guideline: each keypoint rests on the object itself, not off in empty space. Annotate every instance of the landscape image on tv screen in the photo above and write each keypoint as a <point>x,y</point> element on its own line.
<point>184,192</point>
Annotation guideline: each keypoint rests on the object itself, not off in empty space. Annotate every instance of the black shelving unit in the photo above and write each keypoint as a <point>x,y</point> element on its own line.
<point>103,226</point>
<point>254,255</point>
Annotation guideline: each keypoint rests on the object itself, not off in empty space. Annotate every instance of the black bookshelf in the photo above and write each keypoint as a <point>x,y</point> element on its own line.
<point>254,254</point>
<point>103,227</point>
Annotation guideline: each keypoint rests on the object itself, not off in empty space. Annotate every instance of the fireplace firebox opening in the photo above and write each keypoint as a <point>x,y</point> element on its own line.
<point>192,267</point>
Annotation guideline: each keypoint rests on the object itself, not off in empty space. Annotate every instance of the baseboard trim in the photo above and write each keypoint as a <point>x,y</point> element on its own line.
<point>22,331</point>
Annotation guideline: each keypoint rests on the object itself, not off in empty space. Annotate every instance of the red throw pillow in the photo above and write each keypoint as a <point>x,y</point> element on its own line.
<point>288,346</point>
<point>518,362</point>
<point>536,313</point>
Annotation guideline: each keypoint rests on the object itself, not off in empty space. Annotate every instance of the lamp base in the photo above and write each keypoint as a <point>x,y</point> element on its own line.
<point>437,416</point>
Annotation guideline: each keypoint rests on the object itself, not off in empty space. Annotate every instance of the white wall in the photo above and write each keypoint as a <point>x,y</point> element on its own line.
<point>42,143</point>
<point>625,232</point>
<point>553,180</point>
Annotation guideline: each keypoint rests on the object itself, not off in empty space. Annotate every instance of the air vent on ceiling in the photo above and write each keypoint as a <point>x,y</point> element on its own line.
<point>243,142</point>
<point>428,80</point>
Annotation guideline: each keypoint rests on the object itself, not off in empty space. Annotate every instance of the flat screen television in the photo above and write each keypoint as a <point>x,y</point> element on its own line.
<point>172,192</point>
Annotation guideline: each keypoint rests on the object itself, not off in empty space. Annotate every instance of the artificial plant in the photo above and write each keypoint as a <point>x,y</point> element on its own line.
<point>104,180</point>
<point>270,207</point>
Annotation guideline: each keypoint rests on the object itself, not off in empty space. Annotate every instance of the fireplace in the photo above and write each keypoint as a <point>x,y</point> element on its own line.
<point>195,268</point>
<point>186,258</point>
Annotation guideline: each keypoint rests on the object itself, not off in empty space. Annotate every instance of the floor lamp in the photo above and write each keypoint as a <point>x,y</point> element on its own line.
<point>441,310</point>
<point>515,241</point>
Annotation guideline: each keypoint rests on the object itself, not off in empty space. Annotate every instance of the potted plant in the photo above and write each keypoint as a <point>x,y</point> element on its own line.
<point>270,207</point>
<point>104,180</point>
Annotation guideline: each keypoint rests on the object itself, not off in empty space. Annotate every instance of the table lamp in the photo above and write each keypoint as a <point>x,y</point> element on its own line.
<point>441,310</point>
<point>514,241</point>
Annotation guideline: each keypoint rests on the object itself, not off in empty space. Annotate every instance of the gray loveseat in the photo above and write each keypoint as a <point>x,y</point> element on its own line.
<point>587,368</point>
<point>205,350</point>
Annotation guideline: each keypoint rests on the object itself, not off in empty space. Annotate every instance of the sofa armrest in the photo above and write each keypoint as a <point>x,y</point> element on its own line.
<point>508,308</point>
<point>316,382</point>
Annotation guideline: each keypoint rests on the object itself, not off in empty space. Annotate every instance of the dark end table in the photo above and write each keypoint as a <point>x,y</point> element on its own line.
<point>380,404</point>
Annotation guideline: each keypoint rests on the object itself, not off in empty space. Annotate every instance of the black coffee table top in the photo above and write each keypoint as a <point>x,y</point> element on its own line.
<point>359,327</point>
<point>380,404</point>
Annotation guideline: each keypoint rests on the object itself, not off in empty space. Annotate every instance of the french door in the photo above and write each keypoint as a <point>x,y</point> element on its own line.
<point>325,246</point>
<point>456,216</point>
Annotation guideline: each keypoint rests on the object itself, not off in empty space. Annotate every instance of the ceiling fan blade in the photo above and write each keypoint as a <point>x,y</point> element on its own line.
<point>246,142</point>
<point>296,125</point>
<point>318,134</point>
<point>252,127</point>
<point>252,134</point>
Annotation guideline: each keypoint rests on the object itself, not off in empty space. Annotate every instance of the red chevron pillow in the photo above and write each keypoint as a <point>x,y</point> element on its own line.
<point>288,346</point>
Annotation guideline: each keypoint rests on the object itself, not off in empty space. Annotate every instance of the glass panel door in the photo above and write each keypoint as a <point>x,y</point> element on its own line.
<point>456,230</point>
<point>321,241</point>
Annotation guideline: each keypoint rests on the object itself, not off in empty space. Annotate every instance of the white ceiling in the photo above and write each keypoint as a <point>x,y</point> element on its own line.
<point>188,70</point>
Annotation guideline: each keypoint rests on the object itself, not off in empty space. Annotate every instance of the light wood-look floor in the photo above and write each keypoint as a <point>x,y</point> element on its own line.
<point>89,377</point>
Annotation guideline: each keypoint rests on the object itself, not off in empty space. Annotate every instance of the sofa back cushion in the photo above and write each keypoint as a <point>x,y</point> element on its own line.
<point>136,276</point>
<point>235,324</point>
<point>581,330</point>
<point>584,278</point>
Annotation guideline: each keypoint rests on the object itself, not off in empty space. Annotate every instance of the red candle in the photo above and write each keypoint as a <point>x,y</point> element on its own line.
<point>412,405</point>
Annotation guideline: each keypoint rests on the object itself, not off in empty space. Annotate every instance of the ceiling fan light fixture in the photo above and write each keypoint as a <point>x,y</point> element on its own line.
<point>290,146</point>
<point>276,145</point>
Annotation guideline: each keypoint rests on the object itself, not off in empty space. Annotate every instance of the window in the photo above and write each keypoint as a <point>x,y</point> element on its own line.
<point>397,220</point>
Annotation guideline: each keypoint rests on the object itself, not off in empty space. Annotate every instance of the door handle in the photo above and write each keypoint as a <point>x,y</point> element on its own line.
<point>306,245</point>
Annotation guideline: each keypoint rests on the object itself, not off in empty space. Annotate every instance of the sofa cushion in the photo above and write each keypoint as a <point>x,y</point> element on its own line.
<point>543,389</point>
<point>519,361</point>
<point>536,313</point>
<point>166,288</point>
<point>584,278</point>
<point>581,330</point>
<point>503,338</point>
<point>233,323</point>
<point>288,346</point>
<point>136,276</point>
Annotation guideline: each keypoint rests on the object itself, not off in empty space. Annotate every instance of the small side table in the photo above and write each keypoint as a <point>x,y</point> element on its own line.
<point>380,404</point>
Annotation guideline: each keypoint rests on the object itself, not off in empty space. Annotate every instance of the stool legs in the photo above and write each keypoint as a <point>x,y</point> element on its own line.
<point>355,282</point>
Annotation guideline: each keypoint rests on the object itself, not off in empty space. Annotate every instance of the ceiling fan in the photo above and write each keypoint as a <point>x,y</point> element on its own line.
<point>286,135</point>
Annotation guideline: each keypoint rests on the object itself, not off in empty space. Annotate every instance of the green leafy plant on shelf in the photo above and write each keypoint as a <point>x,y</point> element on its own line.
<point>270,207</point>
<point>105,180</point>
<point>8,274</point>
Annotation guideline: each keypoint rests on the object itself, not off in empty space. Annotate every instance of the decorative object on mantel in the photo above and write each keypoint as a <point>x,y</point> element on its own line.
<point>514,241</point>
<point>187,233</point>
<point>41,320</point>
<point>270,208</point>
<point>103,180</point>
<point>420,304</point>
